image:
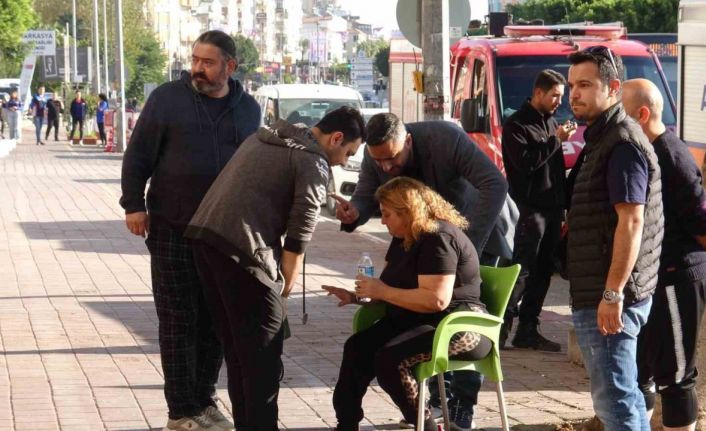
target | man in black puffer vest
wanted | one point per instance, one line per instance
(615, 235)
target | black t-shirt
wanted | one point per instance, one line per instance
(215, 106)
(447, 251)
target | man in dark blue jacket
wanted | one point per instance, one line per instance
(78, 114)
(186, 133)
(666, 353)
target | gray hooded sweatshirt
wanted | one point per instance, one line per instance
(267, 198)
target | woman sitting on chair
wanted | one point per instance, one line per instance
(431, 270)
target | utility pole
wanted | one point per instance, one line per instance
(73, 21)
(96, 45)
(105, 48)
(435, 46)
(120, 72)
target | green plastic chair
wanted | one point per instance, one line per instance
(497, 285)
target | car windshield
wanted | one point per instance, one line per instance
(516, 76)
(310, 111)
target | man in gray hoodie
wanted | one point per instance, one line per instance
(271, 189)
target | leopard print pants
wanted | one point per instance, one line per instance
(461, 342)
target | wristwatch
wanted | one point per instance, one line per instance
(612, 297)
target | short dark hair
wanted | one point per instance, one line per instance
(103, 97)
(547, 79)
(610, 64)
(346, 120)
(220, 40)
(383, 127)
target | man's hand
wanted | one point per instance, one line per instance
(345, 296)
(345, 212)
(138, 223)
(565, 131)
(609, 318)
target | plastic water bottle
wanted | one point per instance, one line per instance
(366, 268)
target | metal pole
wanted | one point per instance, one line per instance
(105, 48)
(121, 72)
(96, 44)
(73, 20)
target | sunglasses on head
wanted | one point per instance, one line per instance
(605, 52)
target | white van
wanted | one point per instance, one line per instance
(691, 107)
(307, 104)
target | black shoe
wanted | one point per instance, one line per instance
(505, 330)
(528, 337)
(41, 143)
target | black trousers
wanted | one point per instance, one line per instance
(52, 122)
(101, 132)
(189, 349)
(249, 318)
(75, 121)
(388, 351)
(666, 349)
(536, 238)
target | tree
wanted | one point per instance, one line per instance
(639, 16)
(16, 17)
(248, 57)
(372, 46)
(382, 61)
(147, 66)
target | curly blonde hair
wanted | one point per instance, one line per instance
(421, 206)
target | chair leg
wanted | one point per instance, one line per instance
(422, 402)
(444, 401)
(501, 403)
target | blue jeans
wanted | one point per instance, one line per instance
(612, 368)
(38, 122)
(461, 386)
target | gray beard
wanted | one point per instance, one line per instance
(206, 88)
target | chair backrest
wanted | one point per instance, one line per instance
(496, 287)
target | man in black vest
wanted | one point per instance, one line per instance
(666, 348)
(534, 165)
(615, 235)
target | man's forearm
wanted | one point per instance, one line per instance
(291, 262)
(626, 247)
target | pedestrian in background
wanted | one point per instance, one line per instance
(100, 116)
(38, 105)
(534, 165)
(251, 232)
(78, 115)
(54, 110)
(14, 115)
(443, 157)
(615, 223)
(187, 132)
(666, 346)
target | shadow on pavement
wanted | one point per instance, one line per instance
(104, 236)
(98, 180)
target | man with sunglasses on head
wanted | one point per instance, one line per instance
(615, 223)
(441, 155)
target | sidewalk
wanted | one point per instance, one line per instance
(78, 330)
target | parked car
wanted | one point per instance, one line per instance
(307, 104)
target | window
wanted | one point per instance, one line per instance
(459, 95)
(479, 90)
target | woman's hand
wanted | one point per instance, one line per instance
(369, 287)
(346, 296)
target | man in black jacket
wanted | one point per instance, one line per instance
(615, 233)
(186, 133)
(534, 165)
(666, 353)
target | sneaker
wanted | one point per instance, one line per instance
(192, 423)
(528, 337)
(218, 418)
(436, 413)
(461, 418)
(80, 142)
